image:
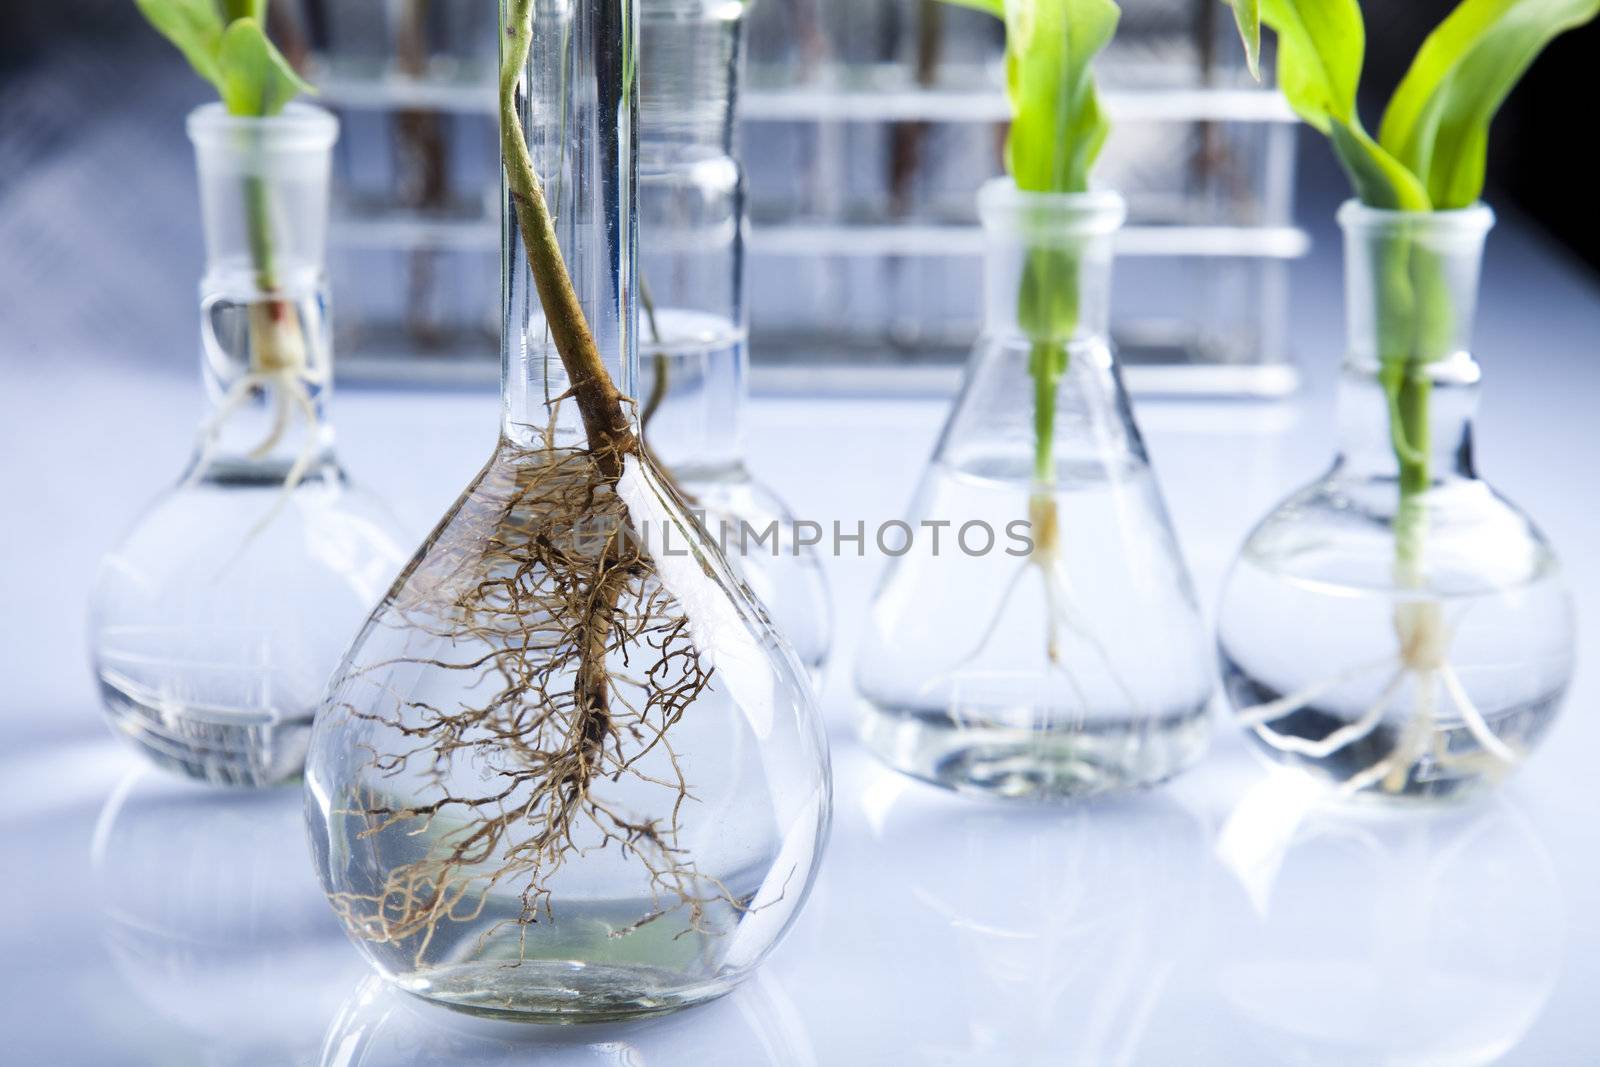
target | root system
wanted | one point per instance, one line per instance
(574, 667)
(1422, 656)
(1064, 620)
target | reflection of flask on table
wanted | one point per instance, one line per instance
(214, 919)
(1043, 936)
(754, 1027)
(1391, 940)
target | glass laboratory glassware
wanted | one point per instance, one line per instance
(568, 771)
(215, 623)
(693, 332)
(1397, 626)
(1038, 636)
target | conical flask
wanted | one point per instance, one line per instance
(1434, 632)
(694, 332)
(1036, 635)
(215, 623)
(569, 771)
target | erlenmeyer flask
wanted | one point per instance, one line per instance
(217, 620)
(1432, 637)
(569, 771)
(693, 332)
(1038, 636)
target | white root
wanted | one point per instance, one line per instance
(1345, 735)
(1416, 735)
(1063, 619)
(1064, 616)
(1476, 724)
(1422, 660)
(1285, 705)
(289, 388)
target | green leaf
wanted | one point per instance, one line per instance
(1057, 126)
(195, 27)
(1379, 179)
(1321, 47)
(1247, 14)
(1437, 124)
(257, 79)
(233, 10)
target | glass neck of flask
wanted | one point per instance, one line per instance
(266, 346)
(1408, 391)
(576, 101)
(692, 329)
(691, 56)
(1047, 264)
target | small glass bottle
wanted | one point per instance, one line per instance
(216, 622)
(694, 337)
(1037, 635)
(1397, 627)
(569, 771)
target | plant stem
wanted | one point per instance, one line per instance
(1047, 311)
(258, 209)
(1415, 325)
(600, 404)
(276, 343)
(663, 366)
(1047, 362)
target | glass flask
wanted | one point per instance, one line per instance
(215, 623)
(1036, 634)
(1436, 633)
(693, 330)
(569, 770)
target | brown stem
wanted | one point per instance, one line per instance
(663, 367)
(600, 404)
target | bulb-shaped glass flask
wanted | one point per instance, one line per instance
(1038, 637)
(217, 620)
(569, 770)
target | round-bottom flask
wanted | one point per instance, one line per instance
(1397, 627)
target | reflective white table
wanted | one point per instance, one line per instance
(1229, 918)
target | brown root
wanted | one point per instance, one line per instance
(539, 577)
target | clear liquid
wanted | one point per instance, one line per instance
(219, 617)
(1352, 709)
(240, 737)
(680, 837)
(691, 371)
(696, 369)
(591, 962)
(991, 672)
